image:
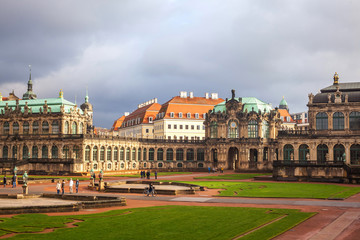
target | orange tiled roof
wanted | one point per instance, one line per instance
(284, 113)
(143, 114)
(186, 105)
(117, 124)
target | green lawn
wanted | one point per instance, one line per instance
(239, 176)
(152, 174)
(280, 190)
(165, 222)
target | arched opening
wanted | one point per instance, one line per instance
(355, 154)
(44, 152)
(54, 152)
(322, 151)
(214, 156)
(25, 154)
(87, 153)
(288, 152)
(160, 154)
(66, 152)
(169, 154)
(253, 158)
(151, 154)
(304, 153)
(339, 151)
(200, 154)
(179, 154)
(34, 152)
(233, 158)
(190, 154)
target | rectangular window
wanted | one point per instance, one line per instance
(147, 130)
(203, 127)
(186, 126)
(169, 126)
(198, 127)
(181, 126)
(175, 126)
(192, 127)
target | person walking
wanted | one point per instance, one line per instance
(77, 183)
(63, 187)
(71, 184)
(14, 181)
(148, 174)
(58, 187)
(155, 174)
(4, 180)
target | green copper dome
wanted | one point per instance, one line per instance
(283, 102)
(249, 104)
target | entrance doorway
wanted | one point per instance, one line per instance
(233, 158)
(253, 158)
(214, 156)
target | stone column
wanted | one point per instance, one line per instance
(296, 152)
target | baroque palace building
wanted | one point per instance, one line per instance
(55, 136)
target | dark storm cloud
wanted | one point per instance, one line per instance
(127, 52)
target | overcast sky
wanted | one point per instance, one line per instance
(127, 52)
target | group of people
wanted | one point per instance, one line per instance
(60, 186)
(13, 180)
(214, 169)
(146, 174)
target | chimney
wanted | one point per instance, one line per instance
(207, 95)
(183, 94)
(126, 114)
(214, 96)
(191, 94)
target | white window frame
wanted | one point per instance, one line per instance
(188, 115)
(172, 115)
(180, 114)
(196, 115)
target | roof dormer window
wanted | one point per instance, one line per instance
(188, 115)
(180, 114)
(196, 115)
(150, 119)
(172, 115)
(204, 115)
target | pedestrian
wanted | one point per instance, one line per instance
(155, 174)
(71, 184)
(14, 181)
(4, 180)
(209, 169)
(63, 187)
(148, 174)
(77, 183)
(151, 190)
(222, 170)
(58, 187)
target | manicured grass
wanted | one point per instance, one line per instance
(239, 176)
(165, 222)
(152, 174)
(280, 190)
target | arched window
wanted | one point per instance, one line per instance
(5, 152)
(87, 153)
(108, 153)
(160, 154)
(160, 165)
(180, 114)
(179, 165)
(35, 152)
(44, 152)
(338, 121)
(81, 128)
(179, 154)
(139, 154)
(74, 128)
(133, 154)
(26, 127)
(14, 152)
(128, 154)
(144, 154)
(151, 154)
(66, 127)
(122, 154)
(116, 154)
(190, 154)
(188, 115)
(288, 152)
(66, 152)
(265, 129)
(54, 152)
(102, 153)
(95, 153)
(303, 151)
(25, 153)
(45, 127)
(200, 155)
(35, 127)
(355, 154)
(76, 151)
(95, 166)
(339, 151)
(322, 151)
(169, 154)
(354, 120)
(213, 130)
(6, 128)
(15, 128)
(200, 165)
(55, 127)
(321, 121)
(232, 129)
(253, 129)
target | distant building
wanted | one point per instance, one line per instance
(301, 119)
(287, 120)
(182, 117)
